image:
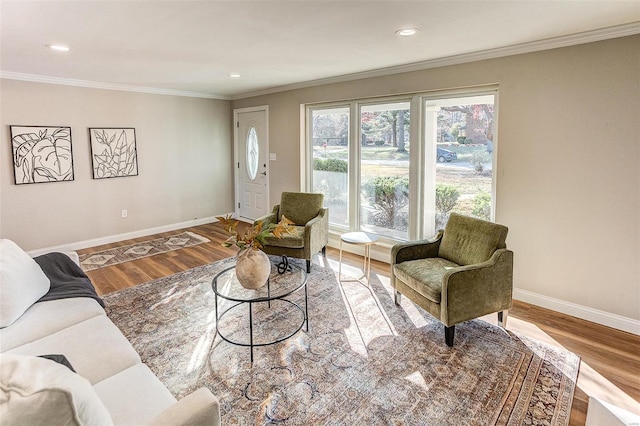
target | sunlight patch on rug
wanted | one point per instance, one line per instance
(397, 373)
(114, 256)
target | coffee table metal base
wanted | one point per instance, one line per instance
(251, 344)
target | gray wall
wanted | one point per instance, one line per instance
(568, 149)
(184, 159)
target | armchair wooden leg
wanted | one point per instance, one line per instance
(449, 332)
(396, 298)
(502, 318)
(308, 266)
(324, 252)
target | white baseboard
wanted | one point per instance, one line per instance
(125, 236)
(619, 322)
(381, 252)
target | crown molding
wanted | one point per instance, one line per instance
(623, 30)
(9, 75)
(608, 33)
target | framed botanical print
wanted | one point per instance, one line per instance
(41, 154)
(113, 152)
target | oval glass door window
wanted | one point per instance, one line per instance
(252, 153)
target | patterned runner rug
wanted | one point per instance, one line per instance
(364, 361)
(100, 259)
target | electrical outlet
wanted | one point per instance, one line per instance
(124, 213)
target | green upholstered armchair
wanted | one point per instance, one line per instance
(460, 274)
(311, 230)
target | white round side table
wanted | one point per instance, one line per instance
(361, 239)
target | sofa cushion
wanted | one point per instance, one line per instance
(45, 318)
(38, 391)
(424, 275)
(300, 207)
(22, 282)
(200, 407)
(96, 348)
(467, 240)
(134, 396)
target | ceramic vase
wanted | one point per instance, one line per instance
(252, 268)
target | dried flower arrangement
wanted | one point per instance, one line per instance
(255, 236)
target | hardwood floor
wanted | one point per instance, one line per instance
(610, 367)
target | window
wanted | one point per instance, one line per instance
(410, 162)
(253, 151)
(460, 130)
(384, 169)
(330, 148)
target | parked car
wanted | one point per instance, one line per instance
(446, 155)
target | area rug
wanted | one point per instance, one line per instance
(364, 361)
(100, 259)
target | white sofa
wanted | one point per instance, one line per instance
(79, 329)
(602, 413)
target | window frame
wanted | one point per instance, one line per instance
(420, 154)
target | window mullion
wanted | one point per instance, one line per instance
(354, 166)
(429, 171)
(416, 170)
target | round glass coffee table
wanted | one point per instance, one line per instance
(261, 317)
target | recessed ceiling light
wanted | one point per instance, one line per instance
(407, 32)
(58, 47)
(234, 75)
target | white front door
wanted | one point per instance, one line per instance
(252, 162)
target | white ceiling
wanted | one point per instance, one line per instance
(190, 47)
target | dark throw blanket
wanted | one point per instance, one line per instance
(67, 279)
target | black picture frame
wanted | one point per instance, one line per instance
(41, 154)
(114, 152)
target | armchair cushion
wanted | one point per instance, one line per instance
(300, 208)
(293, 240)
(424, 275)
(467, 240)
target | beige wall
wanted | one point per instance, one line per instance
(568, 182)
(184, 159)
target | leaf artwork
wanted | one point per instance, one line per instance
(41, 154)
(114, 153)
